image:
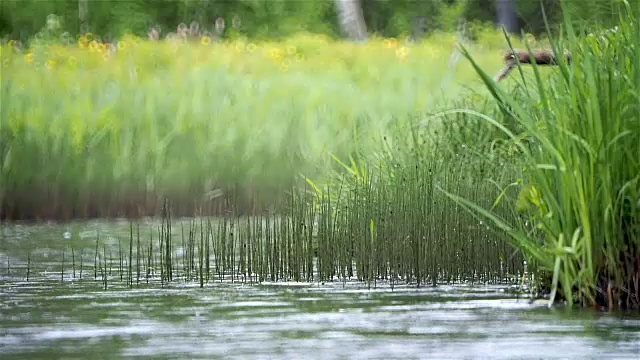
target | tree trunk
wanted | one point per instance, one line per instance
(418, 28)
(83, 15)
(351, 19)
(506, 14)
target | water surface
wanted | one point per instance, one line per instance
(333, 321)
(53, 316)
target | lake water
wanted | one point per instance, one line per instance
(47, 317)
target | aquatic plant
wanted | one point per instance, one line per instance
(315, 241)
(580, 191)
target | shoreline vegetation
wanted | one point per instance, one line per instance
(384, 158)
(112, 134)
(302, 245)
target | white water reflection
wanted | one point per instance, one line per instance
(294, 322)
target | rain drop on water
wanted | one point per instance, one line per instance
(67, 235)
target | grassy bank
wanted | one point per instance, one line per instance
(85, 133)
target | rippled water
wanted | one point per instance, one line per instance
(311, 321)
(49, 318)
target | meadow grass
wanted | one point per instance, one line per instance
(88, 134)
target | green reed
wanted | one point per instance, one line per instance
(28, 265)
(62, 268)
(81, 263)
(73, 262)
(314, 241)
(579, 135)
(138, 254)
(95, 257)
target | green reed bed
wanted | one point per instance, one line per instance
(389, 210)
(581, 189)
(318, 239)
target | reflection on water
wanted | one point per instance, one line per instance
(310, 321)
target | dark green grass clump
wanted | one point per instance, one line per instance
(316, 240)
(581, 189)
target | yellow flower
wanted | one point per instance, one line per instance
(299, 57)
(50, 65)
(28, 58)
(402, 52)
(72, 61)
(291, 49)
(391, 43)
(94, 46)
(83, 42)
(205, 40)
(275, 54)
(251, 47)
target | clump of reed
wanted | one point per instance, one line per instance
(580, 192)
(315, 240)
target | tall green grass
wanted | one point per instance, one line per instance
(390, 213)
(86, 135)
(339, 142)
(580, 191)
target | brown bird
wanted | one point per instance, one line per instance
(540, 57)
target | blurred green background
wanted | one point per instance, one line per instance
(21, 19)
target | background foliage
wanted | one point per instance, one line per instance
(21, 19)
